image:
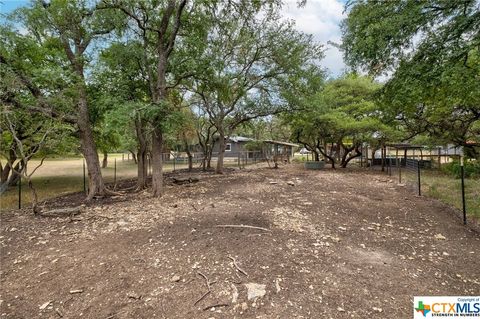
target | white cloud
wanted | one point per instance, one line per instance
(321, 18)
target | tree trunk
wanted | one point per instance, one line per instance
(190, 158)
(329, 157)
(159, 95)
(205, 156)
(345, 152)
(348, 159)
(96, 185)
(141, 170)
(209, 159)
(36, 210)
(105, 160)
(210, 154)
(157, 162)
(189, 153)
(134, 156)
(15, 176)
(5, 172)
(221, 152)
(141, 158)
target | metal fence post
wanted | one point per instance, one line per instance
(398, 168)
(115, 173)
(361, 156)
(462, 175)
(389, 167)
(418, 177)
(20, 192)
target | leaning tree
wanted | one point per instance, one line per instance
(59, 35)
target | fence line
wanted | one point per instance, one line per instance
(424, 179)
(54, 181)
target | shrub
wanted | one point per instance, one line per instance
(471, 168)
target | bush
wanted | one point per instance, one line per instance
(471, 169)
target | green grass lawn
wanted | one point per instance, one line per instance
(60, 176)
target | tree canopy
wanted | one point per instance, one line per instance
(430, 52)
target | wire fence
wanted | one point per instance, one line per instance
(61, 176)
(427, 177)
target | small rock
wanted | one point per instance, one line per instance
(342, 228)
(440, 237)
(290, 183)
(363, 246)
(277, 285)
(255, 291)
(175, 278)
(445, 253)
(340, 309)
(377, 309)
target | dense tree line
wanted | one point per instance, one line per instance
(140, 75)
(148, 76)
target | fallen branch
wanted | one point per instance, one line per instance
(243, 226)
(238, 267)
(201, 298)
(69, 211)
(208, 283)
(185, 180)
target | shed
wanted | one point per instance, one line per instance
(284, 150)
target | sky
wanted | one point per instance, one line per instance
(321, 18)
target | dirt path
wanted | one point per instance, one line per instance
(341, 245)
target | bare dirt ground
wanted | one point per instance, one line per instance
(340, 245)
